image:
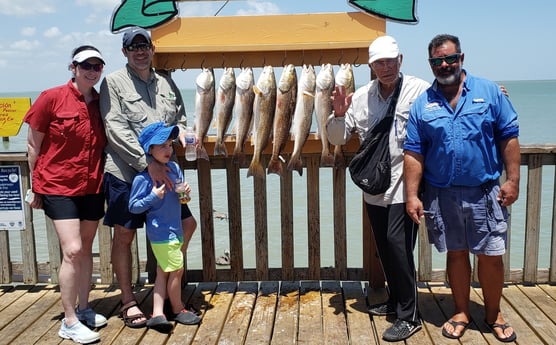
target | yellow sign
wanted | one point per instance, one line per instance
(12, 111)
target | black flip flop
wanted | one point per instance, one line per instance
(455, 324)
(503, 327)
(160, 323)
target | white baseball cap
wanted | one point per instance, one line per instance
(384, 47)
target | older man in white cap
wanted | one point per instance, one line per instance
(395, 233)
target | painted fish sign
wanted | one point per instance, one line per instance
(152, 13)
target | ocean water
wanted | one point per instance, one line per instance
(534, 101)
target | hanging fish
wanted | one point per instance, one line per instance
(243, 109)
(285, 105)
(225, 102)
(303, 116)
(344, 77)
(323, 109)
(263, 115)
(204, 106)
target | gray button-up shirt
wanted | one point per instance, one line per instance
(127, 105)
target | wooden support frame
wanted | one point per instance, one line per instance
(255, 41)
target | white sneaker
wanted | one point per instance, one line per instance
(78, 333)
(90, 318)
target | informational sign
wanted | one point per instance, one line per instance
(12, 111)
(12, 214)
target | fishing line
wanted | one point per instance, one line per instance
(220, 9)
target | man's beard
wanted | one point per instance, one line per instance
(451, 79)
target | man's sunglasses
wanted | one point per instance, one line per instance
(450, 59)
(138, 46)
(97, 67)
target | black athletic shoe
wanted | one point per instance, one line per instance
(382, 309)
(401, 330)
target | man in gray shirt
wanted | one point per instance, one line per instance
(130, 99)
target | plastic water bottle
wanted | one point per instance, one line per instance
(190, 149)
(180, 189)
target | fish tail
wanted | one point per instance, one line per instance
(220, 149)
(238, 157)
(255, 168)
(296, 164)
(275, 166)
(339, 159)
(326, 159)
(202, 152)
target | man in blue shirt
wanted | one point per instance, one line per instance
(461, 133)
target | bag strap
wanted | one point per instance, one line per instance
(394, 101)
(391, 110)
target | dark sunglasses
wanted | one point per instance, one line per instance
(450, 59)
(97, 67)
(138, 46)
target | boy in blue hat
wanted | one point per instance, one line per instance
(164, 229)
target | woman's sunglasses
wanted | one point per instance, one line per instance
(97, 67)
(450, 59)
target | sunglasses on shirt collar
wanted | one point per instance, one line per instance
(450, 59)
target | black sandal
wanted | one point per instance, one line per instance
(512, 337)
(129, 320)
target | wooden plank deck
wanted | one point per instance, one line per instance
(278, 313)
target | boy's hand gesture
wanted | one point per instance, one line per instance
(159, 191)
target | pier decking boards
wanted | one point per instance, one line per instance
(280, 313)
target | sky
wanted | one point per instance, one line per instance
(501, 39)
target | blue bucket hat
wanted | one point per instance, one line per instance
(157, 133)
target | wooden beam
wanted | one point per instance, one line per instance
(236, 41)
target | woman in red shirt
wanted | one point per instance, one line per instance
(65, 142)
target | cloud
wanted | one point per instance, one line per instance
(26, 7)
(25, 45)
(28, 31)
(99, 4)
(52, 32)
(258, 7)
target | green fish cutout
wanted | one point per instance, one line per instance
(398, 10)
(144, 13)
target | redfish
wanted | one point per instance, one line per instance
(263, 115)
(204, 106)
(303, 115)
(285, 105)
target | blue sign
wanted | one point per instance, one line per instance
(12, 216)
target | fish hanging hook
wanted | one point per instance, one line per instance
(165, 64)
(285, 58)
(183, 64)
(203, 63)
(320, 58)
(355, 64)
(223, 60)
(341, 58)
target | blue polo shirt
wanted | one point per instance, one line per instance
(460, 147)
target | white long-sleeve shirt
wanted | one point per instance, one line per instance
(366, 110)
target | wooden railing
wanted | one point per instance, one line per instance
(534, 158)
